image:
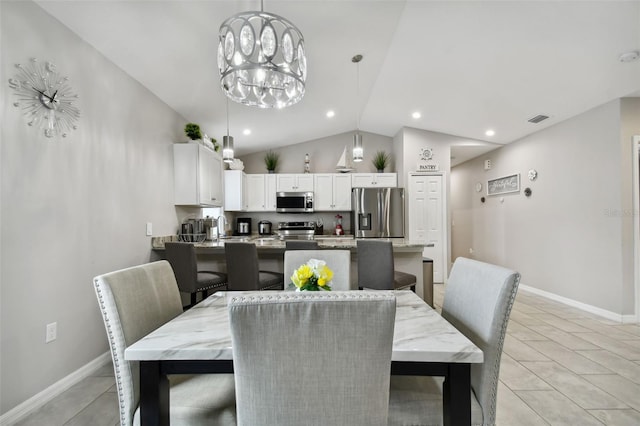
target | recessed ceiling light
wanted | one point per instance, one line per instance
(416, 115)
(330, 113)
(629, 56)
(490, 132)
(246, 132)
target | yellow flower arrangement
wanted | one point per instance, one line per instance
(314, 275)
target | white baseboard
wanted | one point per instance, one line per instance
(626, 319)
(37, 401)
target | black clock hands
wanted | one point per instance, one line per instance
(51, 98)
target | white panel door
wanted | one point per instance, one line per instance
(426, 219)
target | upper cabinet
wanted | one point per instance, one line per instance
(374, 180)
(294, 182)
(261, 192)
(235, 191)
(332, 192)
(197, 176)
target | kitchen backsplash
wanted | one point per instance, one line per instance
(328, 219)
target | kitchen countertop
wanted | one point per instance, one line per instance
(274, 243)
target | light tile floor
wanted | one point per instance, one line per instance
(560, 366)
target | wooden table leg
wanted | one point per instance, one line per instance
(457, 395)
(154, 395)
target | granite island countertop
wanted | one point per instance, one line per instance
(274, 243)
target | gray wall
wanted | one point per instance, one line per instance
(569, 238)
(324, 155)
(74, 208)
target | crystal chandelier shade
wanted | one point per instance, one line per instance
(262, 62)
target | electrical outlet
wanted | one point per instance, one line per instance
(52, 332)
(149, 229)
(470, 251)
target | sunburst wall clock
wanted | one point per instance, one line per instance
(45, 98)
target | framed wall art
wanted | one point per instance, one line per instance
(504, 185)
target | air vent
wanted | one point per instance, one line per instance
(538, 118)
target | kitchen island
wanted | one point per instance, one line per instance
(407, 254)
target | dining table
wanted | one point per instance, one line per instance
(198, 341)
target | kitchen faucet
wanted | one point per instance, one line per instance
(221, 221)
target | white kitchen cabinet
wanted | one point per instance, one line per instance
(197, 176)
(261, 192)
(289, 182)
(426, 216)
(235, 191)
(374, 180)
(332, 192)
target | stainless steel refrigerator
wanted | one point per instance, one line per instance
(377, 212)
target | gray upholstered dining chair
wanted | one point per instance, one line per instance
(376, 267)
(243, 269)
(312, 358)
(301, 245)
(134, 302)
(339, 261)
(477, 301)
(183, 260)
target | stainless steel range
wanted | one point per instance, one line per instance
(296, 230)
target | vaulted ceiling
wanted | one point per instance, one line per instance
(465, 66)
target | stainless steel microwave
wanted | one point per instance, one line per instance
(294, 202)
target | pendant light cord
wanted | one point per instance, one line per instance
(358, 95)
(227, 116)
(356, 59)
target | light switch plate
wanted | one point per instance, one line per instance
(149, 229)
(52, 332)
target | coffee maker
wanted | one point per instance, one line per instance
(243, 226)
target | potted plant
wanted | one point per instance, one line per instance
(192, 130)
(271, 161)
(380, 161)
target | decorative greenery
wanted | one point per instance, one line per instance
(380, 160)
(271, 160)
(314, 275)
(192, 130)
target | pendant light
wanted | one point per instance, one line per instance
(262, 61)
(227, 142)
(358, 150)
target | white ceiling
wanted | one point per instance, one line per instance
(466, 66)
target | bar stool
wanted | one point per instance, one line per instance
(376, 267)
(182, 257)
(243, 269)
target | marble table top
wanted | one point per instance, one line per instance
(202, 333)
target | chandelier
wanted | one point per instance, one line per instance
(262, 60)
